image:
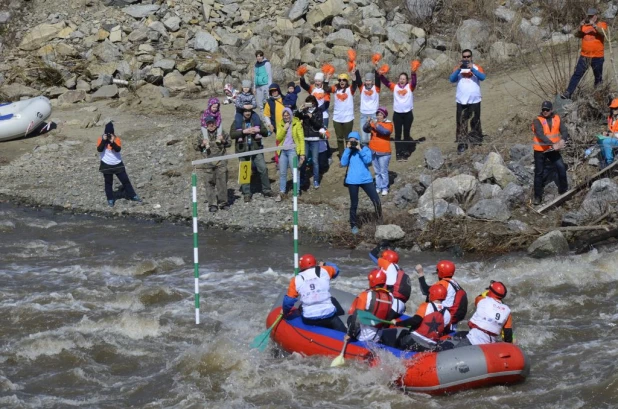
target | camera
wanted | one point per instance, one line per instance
(354, 144)
(464, 64)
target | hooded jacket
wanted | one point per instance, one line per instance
(297, 133)
(273, 109)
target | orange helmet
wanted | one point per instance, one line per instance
(497, 290)
(307, 261)
(614, 103)
(437, 292)
(446, 269)
(391, 256)
(376, 277)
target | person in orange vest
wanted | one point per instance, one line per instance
(611, 135)
(491, 322)
(592, 32)
(456, 297)
(550, 135)
(397, 281)
(427, 325)
(378, 301)
(380, 145)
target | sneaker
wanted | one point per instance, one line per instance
(384, 192)
(136, 198)
(355, 230)
(537, 201)
(316, 184)
(111, 203)
(461, 148)
(247, 198)
(212, 209)
(279, 197)
(268, 194)
(378, 191)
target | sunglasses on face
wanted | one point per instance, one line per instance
(545, 110)
(466, 56)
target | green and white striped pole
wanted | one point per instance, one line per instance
(196, 264)
(295, 210)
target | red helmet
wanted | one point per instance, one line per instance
(437, 292)
(497, 290)
(445, 268)
(376, 277)
(307, 261)
(391, 256)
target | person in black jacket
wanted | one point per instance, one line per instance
(109, 146)
(313, 127)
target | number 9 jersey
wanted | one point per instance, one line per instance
(490, 317)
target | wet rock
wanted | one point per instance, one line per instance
(471, 33)
(513, 195)
(389, 232)
(406, 196)
(433, 158)
(494, 169)
(550, 244)
(490, 209)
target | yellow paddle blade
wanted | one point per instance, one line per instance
(339, 361)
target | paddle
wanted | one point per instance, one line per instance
(367, 318)
(340, 360)
(261, 340)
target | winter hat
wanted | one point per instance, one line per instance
(291, 84)
(354, 135)
(369, 77)
(109, 128)
(319, 76)
(383, 110)
(614, 103)
(246, 84)
(210, 119)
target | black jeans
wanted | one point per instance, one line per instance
(580, 69)
(403, 122)
(469, 113)
(540, 173)
(124, 179)
(370, 190)
(333, 322)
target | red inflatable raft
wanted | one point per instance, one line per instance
(428, 372)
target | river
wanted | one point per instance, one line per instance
(99, 313)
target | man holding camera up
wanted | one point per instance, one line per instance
(592, 32)
(468, 97)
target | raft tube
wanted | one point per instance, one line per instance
(20, 118)
(427, 372)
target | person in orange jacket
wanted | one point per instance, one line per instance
(428, 324)
(380, 145)
(456, 299)
(378, 301)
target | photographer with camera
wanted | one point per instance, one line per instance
(592, 32)
(211, 144)
(468, 97)
(313, 128)
(358, 159)
(109, 145)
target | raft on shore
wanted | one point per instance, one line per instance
(427, 372)
(20, 118)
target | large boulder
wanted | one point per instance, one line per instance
(458, 187)
(389, 232)
(15, 91)
(550, 244)
(298, 9)
(513, 195)
(602, 196)
(490, 209)
(471, 33)
(433, 158)
(421, 9)
(343, 37)
(405, 196)
(501, 51)
(291, 53)
(105, 92)
(39, 35)
(175, 81)
(435, 209)
(494, 169)
(204, 41)
(325, 11)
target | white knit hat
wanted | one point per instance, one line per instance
(319, 76)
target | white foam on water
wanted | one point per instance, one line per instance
(127, 324)
(6, 225)
(50, 343)
(6, 385)
(39, 223)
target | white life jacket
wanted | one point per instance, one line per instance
(315, 293)
(490, 316)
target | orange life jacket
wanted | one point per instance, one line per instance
(432, 326)
(553, 134)
(381, 304)
(612, 124)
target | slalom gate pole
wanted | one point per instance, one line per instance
(295, 210)
(196, 264)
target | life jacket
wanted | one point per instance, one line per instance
(314, 290)
(380, 305)
(459, 309)
(612, 124)
(553, 134)
(432, 326)
(490, 317)
(402, 289)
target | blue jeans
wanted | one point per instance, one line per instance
(312, 150)
(608, 146)
(365, 136)
(380, 165)
(580, 69)
(286, 157)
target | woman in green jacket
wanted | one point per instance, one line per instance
(289, 131)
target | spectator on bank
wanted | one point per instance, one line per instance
(213, 109)
(289, 101)
(109, 146)
(468, 97)
(321, 95)
(592, 32)
(314, 132)
(262, 78)
(380, 145)
(248, 134)
(289, 132)
(358, 176)
(244, 100)
(211, 145)
(343, 111)
(369, 101)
